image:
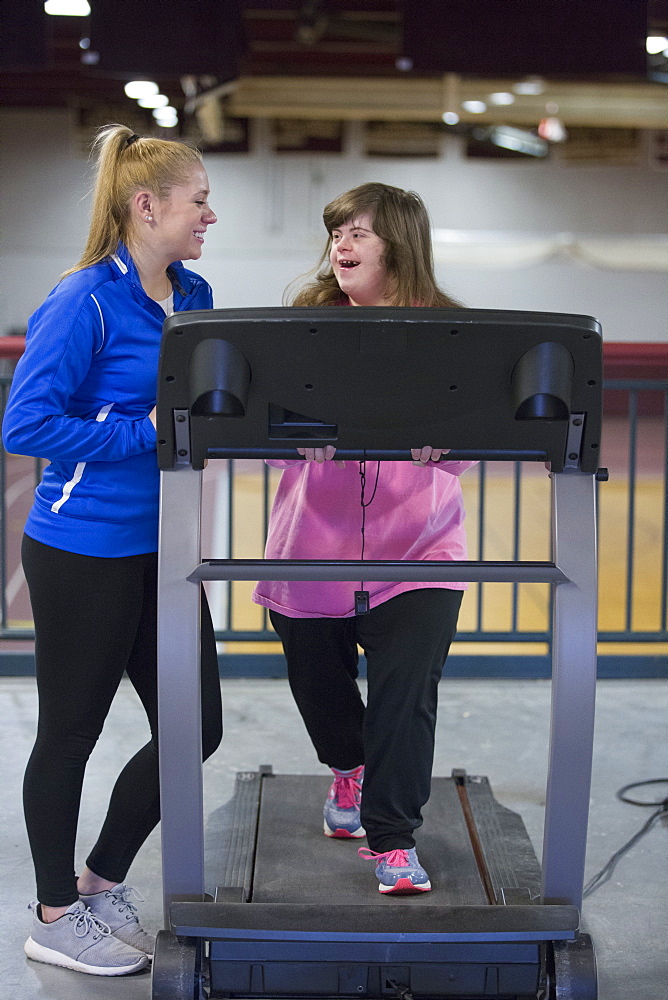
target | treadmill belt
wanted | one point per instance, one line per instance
(296, 863)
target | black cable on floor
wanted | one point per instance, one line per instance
(605, 873)
(401, 991)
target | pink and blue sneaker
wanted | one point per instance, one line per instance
(341, 812)
(399, 872)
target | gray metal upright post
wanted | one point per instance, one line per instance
(573, 687)
(179, 698)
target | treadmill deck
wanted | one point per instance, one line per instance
(297, 913)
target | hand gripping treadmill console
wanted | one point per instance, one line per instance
(503, 386)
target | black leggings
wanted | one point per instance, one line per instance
(94, 619)
(406, 641)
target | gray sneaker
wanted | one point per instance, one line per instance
(114, 908)
(79, 941)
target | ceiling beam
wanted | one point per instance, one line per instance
(588, 104)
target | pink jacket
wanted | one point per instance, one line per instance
(417, 513)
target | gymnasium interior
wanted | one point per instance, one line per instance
(540, 147)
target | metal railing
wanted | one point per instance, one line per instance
(500, 499)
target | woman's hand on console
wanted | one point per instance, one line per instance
(320, 455)
(422, 456)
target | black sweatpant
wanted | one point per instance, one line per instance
(406, 641)
(94, 619)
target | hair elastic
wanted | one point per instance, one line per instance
(131, 139)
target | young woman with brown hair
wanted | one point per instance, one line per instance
(378, 253)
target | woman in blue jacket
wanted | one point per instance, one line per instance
(83, 397)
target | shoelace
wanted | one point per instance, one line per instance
(84, 922)
(347, 791)
(395, 859)
(121, 894)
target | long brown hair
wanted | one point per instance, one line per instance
(401, 220)
(127, 163)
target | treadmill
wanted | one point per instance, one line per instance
(494, 385)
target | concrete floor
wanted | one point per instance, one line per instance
(497, 728)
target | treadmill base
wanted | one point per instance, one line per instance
(299, 915)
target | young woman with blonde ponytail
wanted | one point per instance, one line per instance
(83, 397)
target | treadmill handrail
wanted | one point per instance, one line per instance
(386, 454)
(393, 570)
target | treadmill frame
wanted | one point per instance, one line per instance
(572, 574)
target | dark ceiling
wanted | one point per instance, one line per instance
(44, 64)
(270, 37)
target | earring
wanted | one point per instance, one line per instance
(149, 218)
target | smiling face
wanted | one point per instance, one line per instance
(181, 219)
(356, 257)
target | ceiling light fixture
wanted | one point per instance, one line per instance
(450, 117)
(140, 88)
(166, 116)
(516, 139)
(500, 98)
(531, 86)
(655, 44)
(474, 107)
(153, 101)
(67, 8)
(552, 129)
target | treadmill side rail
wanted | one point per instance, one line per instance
(573, 688)
(179, 697)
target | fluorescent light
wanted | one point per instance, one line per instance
(552, 128)
(153, 101)
(67, 8)
(450, 117)
(140, 88)
(501, 97)
(533, 85)
(166, 116)
(656, 44)
(474, 107)
(517, 139)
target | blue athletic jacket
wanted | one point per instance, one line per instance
(80, 398)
